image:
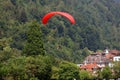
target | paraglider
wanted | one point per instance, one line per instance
(51, 14)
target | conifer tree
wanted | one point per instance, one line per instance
(34, 45)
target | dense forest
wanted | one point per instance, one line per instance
(97, 27)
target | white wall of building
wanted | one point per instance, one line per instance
(116, 58)
(79, 65)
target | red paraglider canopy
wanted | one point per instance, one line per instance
(49, 15)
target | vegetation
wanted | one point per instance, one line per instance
(106, 73)
(85, 75)
(116, 69)
(30, 50)
(68, 71)
(34, 45)
(97, 25)
(25, 68)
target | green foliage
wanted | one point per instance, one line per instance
(99, 75)
(55, 73)
(39, 67)
(116, 69)
(14, 68)
(106, 73)
(85, 75)
(34, 45)
(68, 71)
(26, 68)
(6, 51)
(97, 26)
(85, 52)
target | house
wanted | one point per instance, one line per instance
(98, 57)
(116, 58)
(99, 60)
(115, 52)
(112, 53)
(90, 67)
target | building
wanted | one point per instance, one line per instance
(112, 54)
(116, 58)
(99, 60)
(90, 67)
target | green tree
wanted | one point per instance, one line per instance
(85, 75)
(26, 68)
(106, 73)
(34, 45)
(85, 52)
(97, 25)
(68, 71)
(55, 74)
(116, 69)
(6, 51)
(38, 67)
(14, 68)
(99, 75)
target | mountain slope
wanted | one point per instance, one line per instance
(97, 25)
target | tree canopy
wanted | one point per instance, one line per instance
(97, 25)
(22, 40)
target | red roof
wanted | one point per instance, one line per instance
(114, 52)
(109, 56)
(90, 66)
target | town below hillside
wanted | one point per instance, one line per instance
(98, 61)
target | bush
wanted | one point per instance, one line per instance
(26, 68)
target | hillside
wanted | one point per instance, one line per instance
(97, 26)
